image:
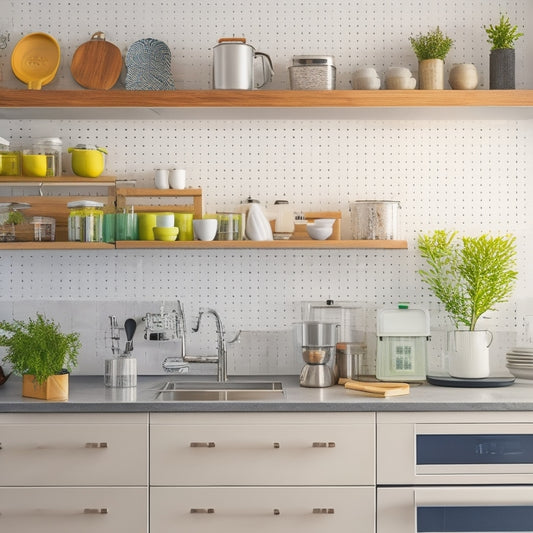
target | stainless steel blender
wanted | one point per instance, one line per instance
(317, 342)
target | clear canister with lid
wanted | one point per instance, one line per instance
(51, 147)
(312, 72)
(284, 219)
(85, 221)
(9, 159)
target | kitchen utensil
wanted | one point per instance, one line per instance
(87, 161)
(312, 73)
(148, 64)
(120, 372)
(165, 234)
(233, 65)
(319, 232)
(51, 147)
(316, 342)
(176, 178)
(448, 381)
(372, 219)
(347, 359)
(183, 221)
(257, 225)
(97, 63)
(376, 389)
(10, 160)
(205, 229)
(402, 343)
(129, 328)
(85, 221)
(35, 59)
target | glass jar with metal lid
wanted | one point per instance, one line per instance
(9, 159)
(312, 72)
(85, 221)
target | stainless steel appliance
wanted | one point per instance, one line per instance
(233, 65)
(454, 472)
(317, 342)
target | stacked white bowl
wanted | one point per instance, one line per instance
(399, 78)
(520, 362)
(366, 79)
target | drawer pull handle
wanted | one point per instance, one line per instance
(323, 510)
(209, 510)
(96, 444)
(276, 445)
(202, 444)
(323, 445)
(276, 512)
(88, 510)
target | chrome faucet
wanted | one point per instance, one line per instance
(222, 352)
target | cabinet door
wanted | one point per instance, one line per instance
(261, 509)
(83, 510)
(86, 450)
(262, 449)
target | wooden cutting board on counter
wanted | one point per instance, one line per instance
(96, 64)
(377, 389)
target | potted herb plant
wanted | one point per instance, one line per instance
(8, 220)
(41, 354)
(469, 277)
(431, 49)
(502, 37)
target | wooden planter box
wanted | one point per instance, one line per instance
(54, 388)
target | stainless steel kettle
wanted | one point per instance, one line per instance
(233, 65)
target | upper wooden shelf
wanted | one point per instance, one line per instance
(483, 104)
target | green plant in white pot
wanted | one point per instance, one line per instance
(431, 50)
(502, 37)
(470, 276)
(41, 354)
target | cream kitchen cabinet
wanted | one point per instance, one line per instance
(266, 471)
(80, 472)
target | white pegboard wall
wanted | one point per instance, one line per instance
(469, 176)
(365, 33)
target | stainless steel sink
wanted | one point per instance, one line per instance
(201, 391)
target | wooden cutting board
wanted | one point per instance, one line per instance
(96, 64)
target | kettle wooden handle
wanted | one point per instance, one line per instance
(232, 40)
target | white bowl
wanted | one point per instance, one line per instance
(319, 233)
(205, 229)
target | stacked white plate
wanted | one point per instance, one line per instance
(520, 362)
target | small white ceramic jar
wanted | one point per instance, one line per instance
(463, 76)
(161, 178)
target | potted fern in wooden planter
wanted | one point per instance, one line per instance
(470, 278)
(501, 37)
(431, 49)
(41, 354)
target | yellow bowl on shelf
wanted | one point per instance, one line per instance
(165, 234)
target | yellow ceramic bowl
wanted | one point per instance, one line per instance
(34, 165)
(165, 234)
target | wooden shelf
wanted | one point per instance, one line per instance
(266, 245)
(56, 245)
(59, 104)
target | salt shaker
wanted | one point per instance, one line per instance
(161, 178)
(176, 178)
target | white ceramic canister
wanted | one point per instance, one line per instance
(176, 178)
(463, 76)
(161, 178)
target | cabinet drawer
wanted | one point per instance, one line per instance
(83, 510)
(262, 509)
(262, 449)
(97, 450)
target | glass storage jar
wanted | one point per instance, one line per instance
(9, 159)
(52, 147)
(85, 221)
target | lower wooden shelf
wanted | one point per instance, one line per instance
(207, 245)
(255, 245)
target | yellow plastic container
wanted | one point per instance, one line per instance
(147, 221)
(34, 165)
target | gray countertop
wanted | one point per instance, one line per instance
(88, 394)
